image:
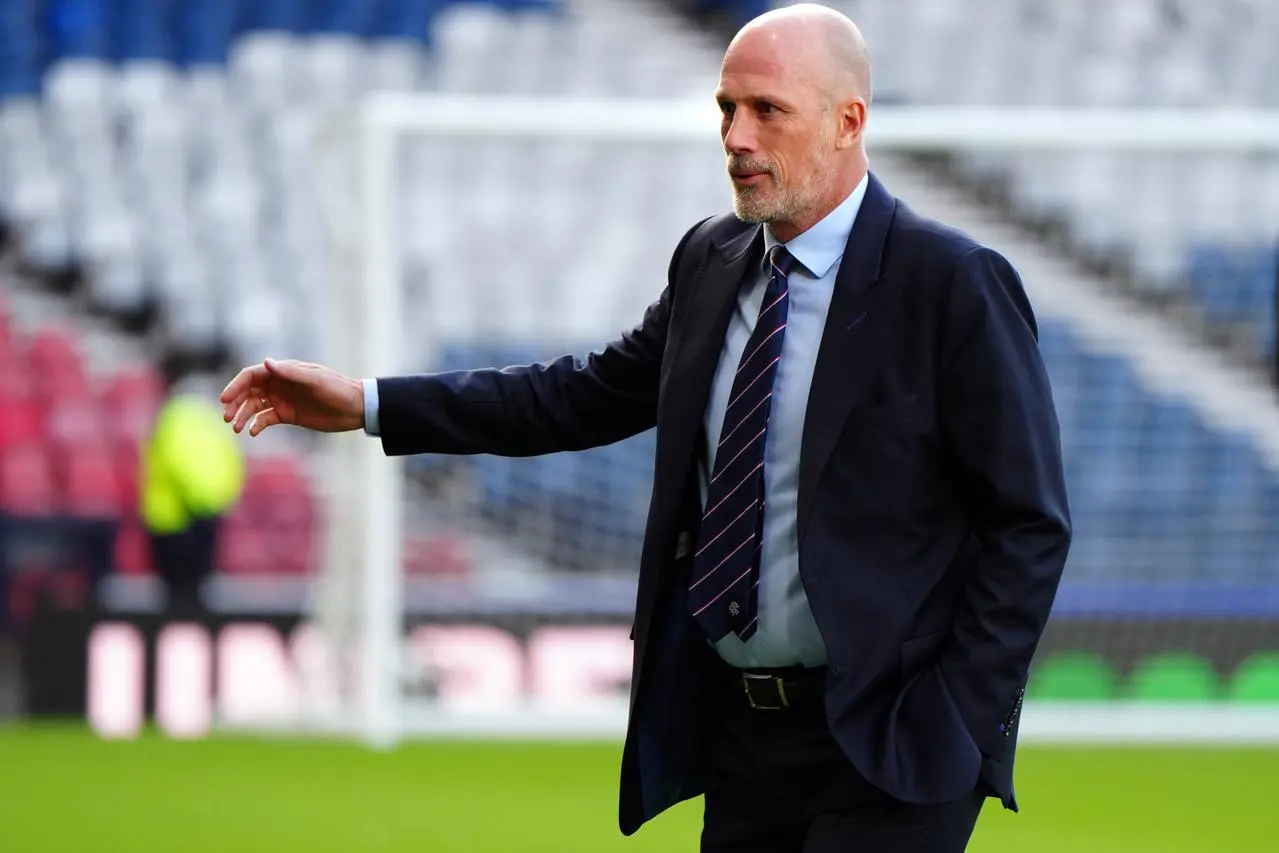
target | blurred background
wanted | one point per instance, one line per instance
(180, 613)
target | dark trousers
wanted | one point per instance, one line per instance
(778, 783)
(185, 559)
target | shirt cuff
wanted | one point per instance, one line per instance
(371, 425)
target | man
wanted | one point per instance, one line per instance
(191, 477)
(858, 521)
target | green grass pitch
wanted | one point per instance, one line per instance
(62, 790)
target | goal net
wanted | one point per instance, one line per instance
(494, 596)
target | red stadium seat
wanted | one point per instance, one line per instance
(27, 485)
(129, 402)
(72, 421)
(53, 349)
(242, 547)
(140, 382)
(20, 422)
(90, 485)
(7, 353)
(127, 462)
(279, 474)
(54, 356)
(438, 554)
(279, 507)
(15, 379)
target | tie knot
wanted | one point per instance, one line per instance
(782, 260)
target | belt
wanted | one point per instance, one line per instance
(779, 690)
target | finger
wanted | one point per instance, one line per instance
(255, 403)
(262, 420)
(239, 388)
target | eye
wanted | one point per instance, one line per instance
(726, 107)
(765, 108)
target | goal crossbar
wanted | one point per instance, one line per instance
(902, 128)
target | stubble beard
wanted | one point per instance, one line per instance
(775, 203)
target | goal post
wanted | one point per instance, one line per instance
(371, 339)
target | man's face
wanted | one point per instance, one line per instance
(777, 134)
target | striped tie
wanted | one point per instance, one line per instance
(722, 595)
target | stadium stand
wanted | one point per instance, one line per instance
(159, 157)
(1199, 234)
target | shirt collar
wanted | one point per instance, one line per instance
(821, 246)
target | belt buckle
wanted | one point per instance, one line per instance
(748, 677)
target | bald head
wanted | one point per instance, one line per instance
(794, 89)
(841, 67)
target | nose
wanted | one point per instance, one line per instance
(739, 133)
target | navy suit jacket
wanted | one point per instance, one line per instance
(933, 518)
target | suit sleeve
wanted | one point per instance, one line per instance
(528, 410)
(997, 414)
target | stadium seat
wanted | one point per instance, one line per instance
(1173, 677)
(439, 555)
(1256, 679)
(21, 422)
(89, 481)
(275, 518)
(242, 548)
(129, 401)
(72, 420)
(1073, 677)
(27, 486)
(53, 349)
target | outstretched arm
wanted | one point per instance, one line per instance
(566, 404)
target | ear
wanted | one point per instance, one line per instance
(850, 118)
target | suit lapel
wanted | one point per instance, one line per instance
(841, 376)
(700, 341)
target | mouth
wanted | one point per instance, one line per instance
(747, 178)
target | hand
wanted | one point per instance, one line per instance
(293, 392)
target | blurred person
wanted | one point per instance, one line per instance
(859, 520)
(192, 474)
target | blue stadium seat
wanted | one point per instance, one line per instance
(1168, 450)
(1236, 284)
(407, 20)
(79, 29)
(205, 29)
(356, 18)
(289, 16)
(143, 30)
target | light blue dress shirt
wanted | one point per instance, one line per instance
(371, 425)
(787, 633)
